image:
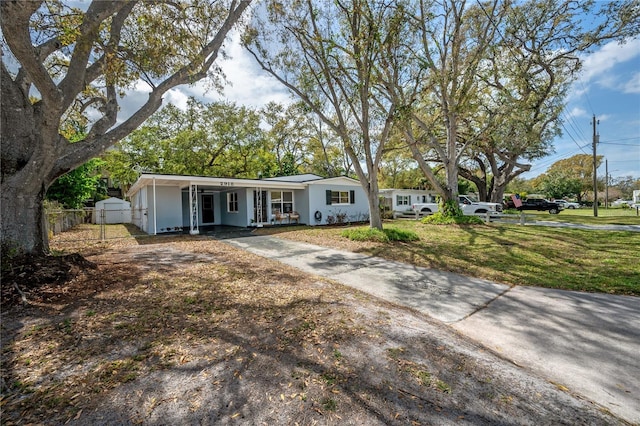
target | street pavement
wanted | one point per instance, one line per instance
(587, 343)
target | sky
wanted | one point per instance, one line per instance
(608, 88)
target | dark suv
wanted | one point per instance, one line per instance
(539, 204)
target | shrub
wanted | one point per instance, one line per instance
(442, 219)
(395, 234)
(450, 208)
(341, 217)
(386, 235)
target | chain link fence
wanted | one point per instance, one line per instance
(94, 224)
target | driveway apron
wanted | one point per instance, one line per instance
(587, 343)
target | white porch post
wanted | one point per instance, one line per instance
(193, 203)
(259, 218)
(155, 222)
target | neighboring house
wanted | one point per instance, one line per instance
(400, 200)
(166, 203)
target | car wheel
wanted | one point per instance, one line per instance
(481, 211)
(554, 211)
(572, 207)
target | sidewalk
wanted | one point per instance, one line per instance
(588, 343)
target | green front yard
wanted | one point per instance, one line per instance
(572, 259)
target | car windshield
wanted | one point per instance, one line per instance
(472, 198)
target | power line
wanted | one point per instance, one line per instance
(572, 122)
(555, 158)
(620, 144)
(569, 133)
(586, 94)
(622, 139)
(623, 161)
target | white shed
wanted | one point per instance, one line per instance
(112, 210)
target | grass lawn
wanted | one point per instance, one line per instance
(572, 259)
(610, 216)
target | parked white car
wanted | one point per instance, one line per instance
(619, 202)
(568, 204)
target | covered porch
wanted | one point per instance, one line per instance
(187, 204)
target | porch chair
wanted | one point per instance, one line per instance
(279, 217)
(294, 215)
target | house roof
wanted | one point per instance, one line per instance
(224, 184)
(111, 200)
(395, 190)
(296, 178)
(341, 180)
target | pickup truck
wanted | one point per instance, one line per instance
(567, 204)
(468, 205)
(539, 204)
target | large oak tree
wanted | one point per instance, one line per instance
(329, 55)
(59, 61)
(527, 76)
(490, 79)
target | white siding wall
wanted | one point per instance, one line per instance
(168, 206)
(239, 218)
(139, 207)
(359, 210)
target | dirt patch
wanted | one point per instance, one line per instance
(40, 279)
(192, 331)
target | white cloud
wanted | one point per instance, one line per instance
(597, 65)
(176, 97)
(249, 85)
(133, 99)
(578, 112)
(633, 85)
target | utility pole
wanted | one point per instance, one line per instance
(595, 168)
(606, 184)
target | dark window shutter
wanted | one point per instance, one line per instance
(328, 197)
(409, 199)
(352, 197)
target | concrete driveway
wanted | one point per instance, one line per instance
(587, 343)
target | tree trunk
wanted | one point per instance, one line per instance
(28, 156)
(451, 162)
(23, 229)
(375, 218)
(497, 194)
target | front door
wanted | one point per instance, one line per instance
(207, 208)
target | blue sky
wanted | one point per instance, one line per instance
(608, 87)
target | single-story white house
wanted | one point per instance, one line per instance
(166, 203)
(400, 200)
(112, 210)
